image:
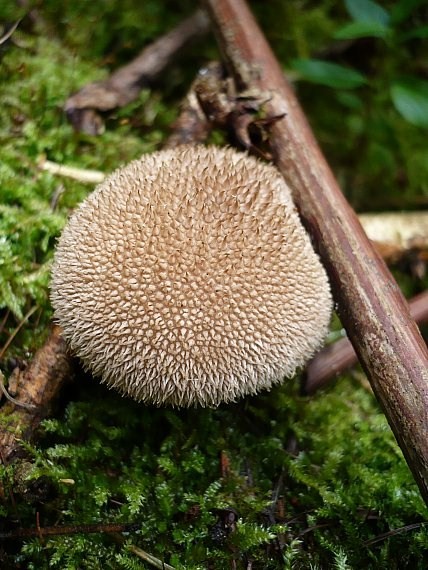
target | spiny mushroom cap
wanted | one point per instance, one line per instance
(187, 278)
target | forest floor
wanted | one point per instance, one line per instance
(279, 480)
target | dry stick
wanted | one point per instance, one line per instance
(38, 387)
(399, 234)
(84, 175)
(337, 357)
(125, 84)
(152, 560)
(8, 34)
(16, 331)
(192, 125)
(400, 230)
(394, 532)
(41, 532)
(370, 304)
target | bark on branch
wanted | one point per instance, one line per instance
(125, 84)
(37, 387)
(370, 304)
(337, 357)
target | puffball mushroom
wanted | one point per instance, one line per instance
(187, 278)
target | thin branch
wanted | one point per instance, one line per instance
(370, 304)
(83, 175)
(125, 84)
(11, 398)
(8, 34)
(192, 125)
(111, 528)
(68, 530)
(395, 233)
(394, 532)
(149, 558)
(339, 356)
(16, 331)
(155, 562)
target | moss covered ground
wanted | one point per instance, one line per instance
(277, 481)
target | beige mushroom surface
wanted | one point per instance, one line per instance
(187, 278)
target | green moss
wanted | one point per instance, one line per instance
(111, 460)
(331, 461)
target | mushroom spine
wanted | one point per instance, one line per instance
(187, 278)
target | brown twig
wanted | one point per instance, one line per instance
(394, 532)
(6, 394)
(152, 560)
(400, 237)
(192, 125)
(125, 84)
(16, 331)
(370, 304)
(37, 387)
(337, 357)
(400, 230)
(107, 528)
(149, 558)
(41, 532)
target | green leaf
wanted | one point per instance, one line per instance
(367, 11)
(362, 30)
(417, 33)
(410, 98)
(10, 300)
(329, 74)
(403, 9)
(350, 100)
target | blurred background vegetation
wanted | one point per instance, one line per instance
(314, 482)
